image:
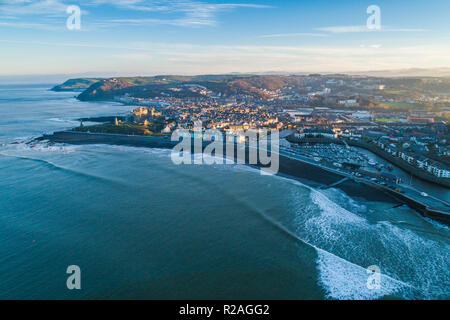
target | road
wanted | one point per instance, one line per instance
(408, 191)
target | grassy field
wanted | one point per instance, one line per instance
(124, 128)
(403, 105)
(387, 120)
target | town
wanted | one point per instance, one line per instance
(406, 127)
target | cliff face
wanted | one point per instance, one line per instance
(105, 90)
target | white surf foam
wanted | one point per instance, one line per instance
(403, 255)
(42, 147)
(345, 281)
(63, 120)
(123, 149)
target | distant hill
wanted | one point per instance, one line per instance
(257, 86)
(178, 86)
(76, 84)
(412, 72)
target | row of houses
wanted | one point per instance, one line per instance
(315, 133)
(420, 162)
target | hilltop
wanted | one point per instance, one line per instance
(76, 84)
(313, 89)
(180, 86)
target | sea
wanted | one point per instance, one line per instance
(140, 227)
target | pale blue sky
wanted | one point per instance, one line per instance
(144, 37)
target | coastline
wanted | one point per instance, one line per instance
(307, 173)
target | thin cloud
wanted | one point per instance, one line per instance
(18, 8)
(178, 12)
(150, 57)
(356, 29)
(374, 46)
(289, 35)
(175, 5)
(192, 13)
(40, 26)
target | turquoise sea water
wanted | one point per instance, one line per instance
(141, 227)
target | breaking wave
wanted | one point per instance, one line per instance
(412, 265)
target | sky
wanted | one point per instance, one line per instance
(146, 37)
